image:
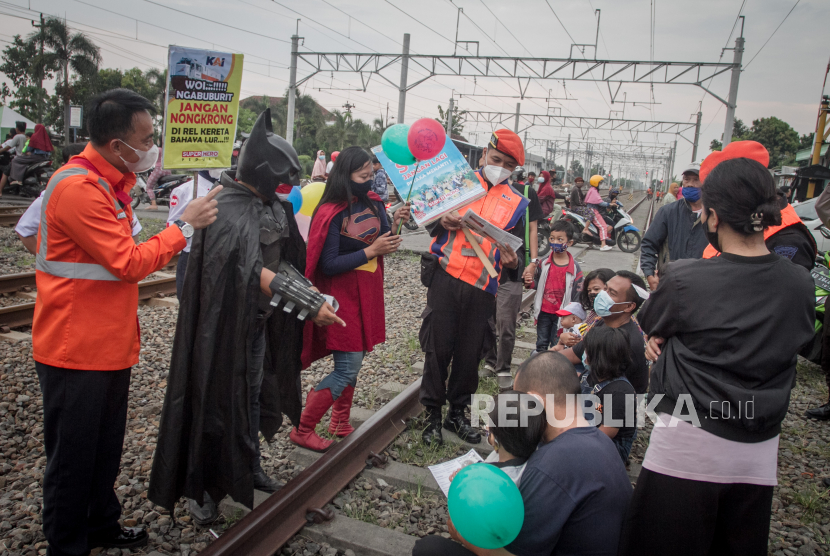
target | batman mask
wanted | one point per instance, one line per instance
(267, 160)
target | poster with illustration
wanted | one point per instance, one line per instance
(442, 184)
(201, 109)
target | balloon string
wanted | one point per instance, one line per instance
(417, 167)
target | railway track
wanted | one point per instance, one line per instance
(19, 315)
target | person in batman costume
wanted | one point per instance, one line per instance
(235, 367)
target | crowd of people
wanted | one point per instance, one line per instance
(259, 304)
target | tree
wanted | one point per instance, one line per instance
(576, 169)
(459, 118)
(67, 51)
(778, 137)
(806, 141)
(739, 133)
(245, 121)
(19, 65)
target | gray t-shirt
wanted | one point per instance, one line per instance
(17, 143)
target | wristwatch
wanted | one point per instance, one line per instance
(534, 261)
(187, 229)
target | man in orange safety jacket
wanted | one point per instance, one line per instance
(462, 295)
(85, 334)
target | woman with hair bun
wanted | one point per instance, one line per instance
(724, 333)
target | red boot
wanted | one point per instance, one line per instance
(316, 404)
(340, 424)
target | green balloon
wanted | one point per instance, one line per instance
(396, 146)
(486, 506)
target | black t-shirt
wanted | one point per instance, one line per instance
(573, 508)
(619, 396)
(636, 371)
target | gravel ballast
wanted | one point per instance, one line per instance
(800, 517)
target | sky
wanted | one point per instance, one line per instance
(783, 78)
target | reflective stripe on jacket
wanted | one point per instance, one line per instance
(503, 206)
(88, 267)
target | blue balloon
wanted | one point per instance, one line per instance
(296, 198)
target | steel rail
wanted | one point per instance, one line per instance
(274, 522)
(16, 282)
(22, 314)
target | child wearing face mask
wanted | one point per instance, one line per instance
(558, 281)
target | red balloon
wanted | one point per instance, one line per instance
(426, 138)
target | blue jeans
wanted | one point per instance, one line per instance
(346, 366)
(623, 445)
(546, 325)
(255, 375)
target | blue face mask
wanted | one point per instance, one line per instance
(691, 194)
(558, 247)
(585, 363)
(322, 157)
(603, 304)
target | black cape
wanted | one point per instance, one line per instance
(204, 442)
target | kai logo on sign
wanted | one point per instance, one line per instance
(215, 61)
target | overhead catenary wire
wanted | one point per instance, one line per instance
(773, 33)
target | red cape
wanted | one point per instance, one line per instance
(359, 293)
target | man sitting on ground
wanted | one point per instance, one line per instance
(574, 486)
(616, 305)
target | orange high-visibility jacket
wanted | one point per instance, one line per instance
(503, 206)
(88, 268)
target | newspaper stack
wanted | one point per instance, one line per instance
(484, 228)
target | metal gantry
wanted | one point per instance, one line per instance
(523, 69)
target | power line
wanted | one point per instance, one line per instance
(573, 40)
(217, 22)
(505, 26)
(773, 33)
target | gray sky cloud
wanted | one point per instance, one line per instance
(784, 80)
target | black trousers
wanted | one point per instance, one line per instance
(84, 417)
(454, 330)
(181, 267)
(682, 517)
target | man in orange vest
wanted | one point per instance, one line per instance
(461, 295)
(85, 335)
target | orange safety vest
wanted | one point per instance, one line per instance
(503, 206)
(88, 268)
(788, 218)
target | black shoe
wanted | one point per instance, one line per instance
(432, 434)
(205, 514)
(822, 413)
(129, 537)
(457, 423)
(265, 483)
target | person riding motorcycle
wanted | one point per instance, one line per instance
(594, 202)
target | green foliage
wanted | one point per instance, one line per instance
(576, 169)
(19, 65)
(307, 164)
(245, 121)
(806, 141)
(459, 118)
(779, 138)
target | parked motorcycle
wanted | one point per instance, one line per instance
(164, 186)
(821, 279)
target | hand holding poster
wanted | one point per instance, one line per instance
(202, 107)
(443, 183)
